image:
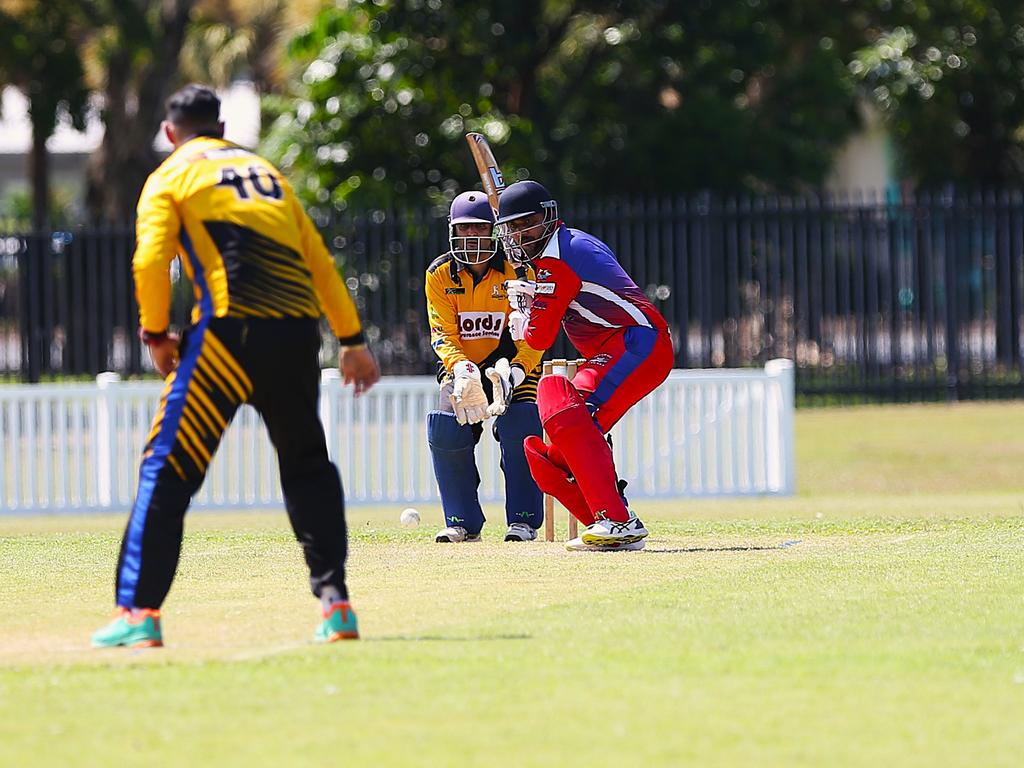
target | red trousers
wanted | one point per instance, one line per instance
(623, 373)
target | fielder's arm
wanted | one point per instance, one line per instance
(156, 244)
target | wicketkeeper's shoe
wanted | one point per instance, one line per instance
(520, 532)
(134, 628)
(577, 545)
(607, 532)
(339, 623)
(454, 534)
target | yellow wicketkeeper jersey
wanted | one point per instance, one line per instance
(468, 319)
(245, 241)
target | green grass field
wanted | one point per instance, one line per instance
(875, 619)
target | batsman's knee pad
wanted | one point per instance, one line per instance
(556, 395)
(555, 480)
(524, 502)
(451, 451)
(561, 407)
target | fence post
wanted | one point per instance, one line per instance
(30, 267)
(330, 391)
(106, 439)
(951, 255)
(784, 372)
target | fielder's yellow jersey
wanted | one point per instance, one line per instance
(246, 244)
(468, 317)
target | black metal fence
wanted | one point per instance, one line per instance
(909, 299)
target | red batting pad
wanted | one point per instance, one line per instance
(554, 480)
(573, 432)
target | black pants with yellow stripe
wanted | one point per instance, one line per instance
(273, 365)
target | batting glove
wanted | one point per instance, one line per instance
(521, 293)
(517, 321)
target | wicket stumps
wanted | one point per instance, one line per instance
(568, 369)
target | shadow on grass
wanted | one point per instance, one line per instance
(738, 548)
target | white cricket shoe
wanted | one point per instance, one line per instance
(520, 532)
(607, 532)
(454, 534)
(577, 545)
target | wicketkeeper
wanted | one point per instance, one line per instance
(483, 373)
(261, 274)
(579, 285)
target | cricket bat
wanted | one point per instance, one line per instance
(490, 176)
(487, 166)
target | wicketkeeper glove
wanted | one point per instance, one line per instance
(504, 378)
(520, 294)
(468, 398)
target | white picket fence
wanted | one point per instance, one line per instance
(68, 447)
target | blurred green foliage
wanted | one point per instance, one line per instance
(370, 104)
(950, 77)
(631, 96)
(589, 96)
(16, 210)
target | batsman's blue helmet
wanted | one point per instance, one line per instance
(522, 199)
(471, 208)
(519, 200)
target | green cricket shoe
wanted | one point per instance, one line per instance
(139, 628)
(339, 624)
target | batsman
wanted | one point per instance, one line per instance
(579, 285)
(467, 307)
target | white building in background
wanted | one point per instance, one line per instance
(866, 162)
(70, 149)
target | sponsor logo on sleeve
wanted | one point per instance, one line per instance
(450, 291)
(540, 288)
(543, 274)
(481, 325)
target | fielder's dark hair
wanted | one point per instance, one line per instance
(195, 107)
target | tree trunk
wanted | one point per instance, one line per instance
(39, 173)
(134, 96)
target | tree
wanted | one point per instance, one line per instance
(228, 41)
(136, 47)
(619, 96)
(38, 55)
(233, 40)
(948, 75)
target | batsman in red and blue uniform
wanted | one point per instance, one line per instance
(581, 287)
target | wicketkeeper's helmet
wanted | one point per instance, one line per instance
(471, 208)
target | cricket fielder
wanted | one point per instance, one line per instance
(467, 308)
(578, 285)
(261, 275)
